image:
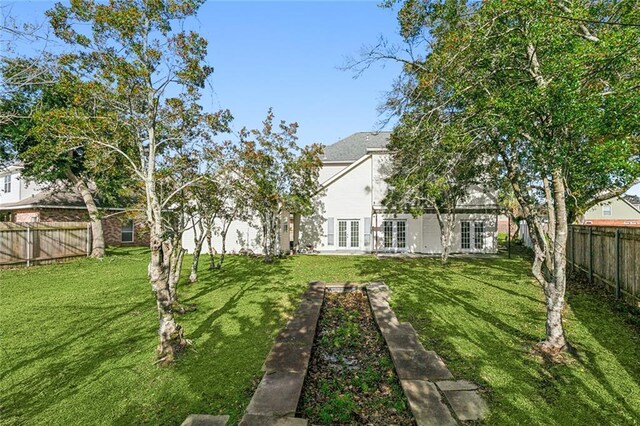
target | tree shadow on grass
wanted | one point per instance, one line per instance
(483, 316)
(240, 309)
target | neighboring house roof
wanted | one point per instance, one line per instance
(634, 200)
(50, 199)
(355, 146)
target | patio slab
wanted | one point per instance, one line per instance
(426, 403)
(467, 404)
(419, 364)
(277, 395)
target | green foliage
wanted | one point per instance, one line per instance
(340, 408)
(276, 175)
(54, 129)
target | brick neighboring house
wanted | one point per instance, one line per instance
(66, 206)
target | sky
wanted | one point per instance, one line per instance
(287, 55)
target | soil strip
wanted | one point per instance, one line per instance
(351, 379)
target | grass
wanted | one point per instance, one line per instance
(77, 339)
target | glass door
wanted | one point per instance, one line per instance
(394, 235)
(348, 233)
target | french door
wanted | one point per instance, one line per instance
(348, 233)
(472, 235)
(394, 235)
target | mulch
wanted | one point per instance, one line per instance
(351, 379)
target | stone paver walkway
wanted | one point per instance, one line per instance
(435, 398)
(425, 379)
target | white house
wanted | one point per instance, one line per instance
(350, 217)
(352, 178)
(13, 187)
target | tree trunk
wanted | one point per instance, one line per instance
(193, 275)
(199, 234)
(446, 222)
(97, 233)
(171, 334)
(296, 232)
(212, 259)
(266, 243)
(556, 287)
(223, 234)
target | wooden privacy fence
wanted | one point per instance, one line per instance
(609, 255)
(42, 242)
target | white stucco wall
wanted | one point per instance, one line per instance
(330, 169)
(240, 235)
(348, 198)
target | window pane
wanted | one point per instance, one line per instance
(342, 233)
(478, 236)
(355, 233)
(126, 234)
(401, 234)
(466, 235)
(388, 233)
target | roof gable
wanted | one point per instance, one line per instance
(355, 146)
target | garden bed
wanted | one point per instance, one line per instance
(351, 378)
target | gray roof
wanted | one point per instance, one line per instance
(355, 146)
(632, 199)
(51, 198)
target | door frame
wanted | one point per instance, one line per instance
(349, 226)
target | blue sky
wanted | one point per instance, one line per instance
(285, 55)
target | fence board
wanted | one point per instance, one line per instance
(42, 242)
(609, 264)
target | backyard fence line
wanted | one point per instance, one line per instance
(32, 243)
(607, 255)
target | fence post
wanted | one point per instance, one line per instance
(88, 239)
(591, 255)
(573, 247)
(28, 245)
(618, 264)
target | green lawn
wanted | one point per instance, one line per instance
(77, 339)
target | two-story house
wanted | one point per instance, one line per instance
(351, 218)
(353, 181)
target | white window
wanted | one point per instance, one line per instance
(472, 237)
(478, 229)
(606, 210)
(126, 232)
(7, 183)
(348, 233)
(394, 234)
(466, 235)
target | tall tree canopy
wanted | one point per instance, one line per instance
(153, 71)
(551, 90)
(278, 176)
(53, 132)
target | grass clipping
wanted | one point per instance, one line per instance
(351, 379)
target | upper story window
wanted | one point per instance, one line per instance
(7, 183)
(606, 210)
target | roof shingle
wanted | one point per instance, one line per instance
(355, 146)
